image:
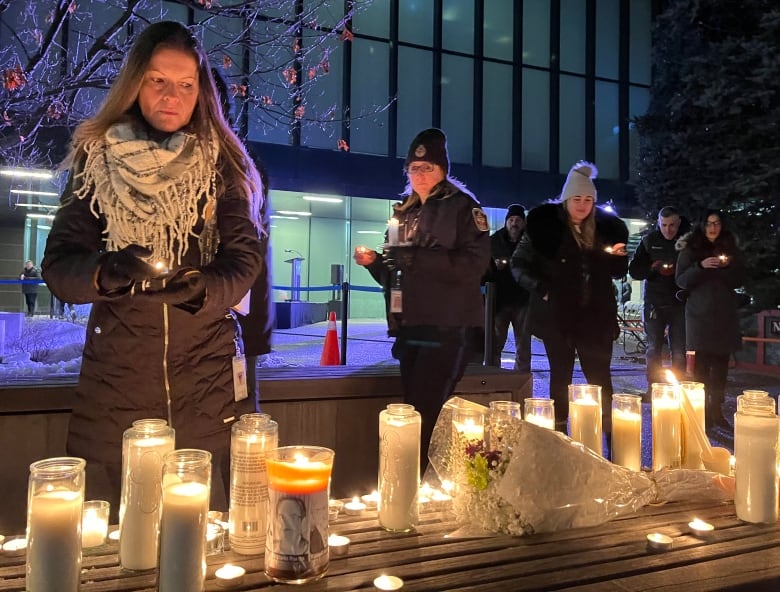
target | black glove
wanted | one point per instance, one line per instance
(186, 289)
(119, 270)
(399, 257)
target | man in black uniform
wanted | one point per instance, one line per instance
(511, 299)
(654, 261)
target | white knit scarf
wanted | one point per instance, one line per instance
(149, 191)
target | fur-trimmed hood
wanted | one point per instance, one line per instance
(547, 223)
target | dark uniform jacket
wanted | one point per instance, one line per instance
(29, 287)
(441, 267)
(508, 291)
(711, 321)
(146, 359)
(578, 283)
(659, 290)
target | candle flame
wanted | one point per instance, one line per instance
(671, 378)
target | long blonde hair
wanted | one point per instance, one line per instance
(236, 171)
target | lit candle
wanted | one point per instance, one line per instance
(585, 415)
(139, 523)
(54, 527)
(627, 431)
(691, 448)
(296, 547)
(229, 575)
(15, 546)
(700, 528)
(384, 582)
(215, 538)
(658, 541)
(355, 507)
(666, 427)
(338, 545)
(371, 500)
(94, 524)
(161, 267)
(723, 258)
(185, 506)
(113, 536)
(540, 412)
(334, 508)
(399, 467)
(392, 231)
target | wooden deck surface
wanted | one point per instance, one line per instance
(613, 557)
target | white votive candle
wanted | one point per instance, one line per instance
(338, 545)
(384, 582)
(371, 500)
(94, 524)
(691, 449)
(15, 546)
(229, 575)
(355, 507)
(658, 541)
(392, 231)
(700, 527)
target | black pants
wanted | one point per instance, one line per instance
(657, 319)
(518, 317)
(712, 370)
(595, 354)
(432, 361)
(30, 299)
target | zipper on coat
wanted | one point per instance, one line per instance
(166, 381)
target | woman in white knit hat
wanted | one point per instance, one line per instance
(568, 256)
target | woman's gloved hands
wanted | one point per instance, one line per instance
(185, 288)
(119, 270)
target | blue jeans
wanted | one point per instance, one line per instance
(657, 319)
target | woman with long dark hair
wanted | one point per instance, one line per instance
(710, 265)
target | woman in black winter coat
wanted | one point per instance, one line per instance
(567, 259)
(710, 265)
(432, 280)
(157, 177)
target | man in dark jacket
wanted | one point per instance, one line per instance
(511, 299)
(655, 262)
(30, 277)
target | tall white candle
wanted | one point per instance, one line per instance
(691, 449)
(54, 541)
(667, 425)
(392, 231)
(627, 439)
(585, 423)
(183, 537)
(399, 467)
(755, 473)
(140, 512)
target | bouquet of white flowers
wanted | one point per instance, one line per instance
(532, 479)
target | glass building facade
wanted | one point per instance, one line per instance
(522, 88)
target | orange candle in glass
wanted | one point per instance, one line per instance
(296, 548)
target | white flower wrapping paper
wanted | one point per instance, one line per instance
(547, 482)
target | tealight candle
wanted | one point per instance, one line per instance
(15, 546)
(355, 507)
(662, 542)
(94, 523)
(334, 508)
(700, 527)
(338, 545)
(2, 540)
(384, 582)
(229, 575)
(113, 536)
(371, 500)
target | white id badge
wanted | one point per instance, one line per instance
(396, 301)
(239, 378)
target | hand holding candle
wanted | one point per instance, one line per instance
(393, 225)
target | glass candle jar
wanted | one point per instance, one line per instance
(144, 445)
(399, 467)
(296, 547)
(252, 436)
(500, 417)
(690, 452)
(183, 524)
(540, 412)
(55, 502)
(667, 426)
(627, 431)
(585, 415)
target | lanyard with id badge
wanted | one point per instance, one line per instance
(239, 374)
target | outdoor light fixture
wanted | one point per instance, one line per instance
(370, 232)
(34, 205)
(41, 216)
(27, 173)
(322, 199)
(277, 217)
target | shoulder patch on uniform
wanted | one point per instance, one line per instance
(480, 219)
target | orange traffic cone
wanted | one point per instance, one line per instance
(330, 351)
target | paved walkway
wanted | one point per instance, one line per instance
(368, 344)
